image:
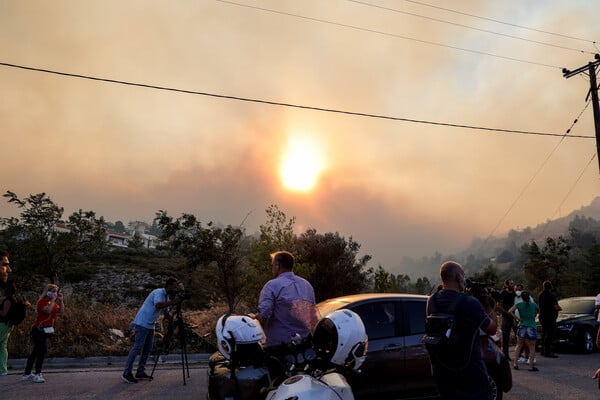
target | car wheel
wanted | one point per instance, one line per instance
(587, 342)
(496, 392)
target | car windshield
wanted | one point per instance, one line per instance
(577, 306)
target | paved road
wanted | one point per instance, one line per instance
(567, 377)
(100, 379)
(105, 383)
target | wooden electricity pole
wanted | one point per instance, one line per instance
(591, 68)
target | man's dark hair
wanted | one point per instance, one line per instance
(4, 253)
(171, 281)
(547, 285)
(285, 259)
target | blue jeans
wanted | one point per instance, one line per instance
(144, 338)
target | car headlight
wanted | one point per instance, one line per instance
(565, 327)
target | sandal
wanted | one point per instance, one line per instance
(534, 369)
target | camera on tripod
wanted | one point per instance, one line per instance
(181, 293)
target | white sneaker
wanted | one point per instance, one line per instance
(522, 360)
(27, 377)
(534, 360)
(38, 378)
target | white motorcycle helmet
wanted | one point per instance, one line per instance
(234, 332)
(341, 338)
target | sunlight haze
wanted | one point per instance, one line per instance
(353, 117)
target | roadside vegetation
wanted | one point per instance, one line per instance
(224, 267)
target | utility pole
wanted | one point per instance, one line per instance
(591, 67)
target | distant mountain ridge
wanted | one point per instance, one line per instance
(550, 228)
(491, 248)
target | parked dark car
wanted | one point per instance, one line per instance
(576, 325)
(397, 363)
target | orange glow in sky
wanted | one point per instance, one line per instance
(301, 166)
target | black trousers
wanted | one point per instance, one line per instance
(548, 335)
(38, 354)
(507, 326)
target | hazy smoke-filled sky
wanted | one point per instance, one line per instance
(403, 185)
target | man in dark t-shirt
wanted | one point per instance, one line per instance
(506, 301)
(549, 309)
(460, 373)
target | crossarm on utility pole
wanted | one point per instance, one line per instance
(591, 68)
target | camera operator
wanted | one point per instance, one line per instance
(460, 372)
(158, 300)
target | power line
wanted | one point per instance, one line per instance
(501, 22)
(571, 189)
(483, 53)
(471, 27)
(536, 173)
(276, 103)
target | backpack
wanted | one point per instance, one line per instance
(439, 326)
(17, 312)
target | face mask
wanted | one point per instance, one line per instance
(518, 293)
(52, 295)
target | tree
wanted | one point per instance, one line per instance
(38, 244)
(219, 255)
(384, 282)
(120, 227)
(549, 263)
(90, 231)
(402, 283)
(136, 241)
(423, 286)
(277, 233)
(488, 276)
(337, 270)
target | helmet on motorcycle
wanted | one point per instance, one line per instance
(341, 338)
(235, 331)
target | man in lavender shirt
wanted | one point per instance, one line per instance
(286, 306)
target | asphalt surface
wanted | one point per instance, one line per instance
(100, 378)
(567, 377)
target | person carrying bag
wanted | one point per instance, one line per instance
(49, 305)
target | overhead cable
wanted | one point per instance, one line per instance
(500, 22)
(472, 28)
(536, 173)
(483, 53)
(282, 104)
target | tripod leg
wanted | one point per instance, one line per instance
(162, 349)
(157, 354)
(185, 353)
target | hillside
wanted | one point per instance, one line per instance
(550, 228)
(490, 248)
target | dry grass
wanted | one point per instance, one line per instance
(84, 330)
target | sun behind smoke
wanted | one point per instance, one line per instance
(301, 166)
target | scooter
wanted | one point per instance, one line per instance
(311, 369)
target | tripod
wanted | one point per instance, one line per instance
(176, 327)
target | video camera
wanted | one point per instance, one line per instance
(181, 293)
(483, 291)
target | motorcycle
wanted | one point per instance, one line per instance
(310, 369)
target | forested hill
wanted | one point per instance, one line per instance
(504, 249)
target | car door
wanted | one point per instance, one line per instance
(380, 371)
(417, 367)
